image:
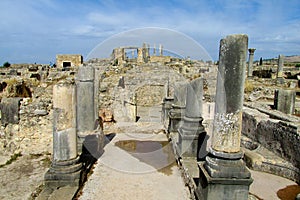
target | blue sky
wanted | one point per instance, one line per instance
(36, 30)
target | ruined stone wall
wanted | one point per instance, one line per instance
(31, 133)
(75, 60)
(278, 136)
(36, 71)
(161, 59)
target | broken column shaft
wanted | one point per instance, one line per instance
(85, 99)
(280, 79)
(140, 55)
(224, 175)
(160, 50)
(176, 113)
(284, 101)
(192, 121)
(229, 95)
(65, 168)
(250, 62)
(166, 105)
(85, 105)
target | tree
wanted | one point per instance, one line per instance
(260, 61)
(6, 64)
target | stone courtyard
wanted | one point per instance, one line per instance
(140, 126)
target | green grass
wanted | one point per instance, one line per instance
(12, 159)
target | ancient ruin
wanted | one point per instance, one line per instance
(64, 61)
(202, 128)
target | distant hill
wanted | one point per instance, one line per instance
(287, 59)
(292, 59)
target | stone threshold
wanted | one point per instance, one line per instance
(261, 159)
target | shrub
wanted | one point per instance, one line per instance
(249, 87)
(6, 64)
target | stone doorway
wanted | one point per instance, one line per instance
(148, 103)
(66, 64)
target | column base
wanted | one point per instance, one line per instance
(175, 119)
(189, 144)
(211, 188)
(91, 143)
(64, 173)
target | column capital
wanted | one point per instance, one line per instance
(251, 50)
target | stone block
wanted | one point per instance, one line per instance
(85, 106)
(211, 188)
(86, 73)
(65, 144)
(10, 110)
(284, 101)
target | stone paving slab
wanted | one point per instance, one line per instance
(264, 186)
(121, 174)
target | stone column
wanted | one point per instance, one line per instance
(119, 55)
(224, 175)
(65, 168)
(148, 51)
(85, 103)
(154, 50)
(85, 99)
(140, 56)
(160, 50)
(284, 101)
(192, 121)
(280, 78)
(250, 62)
(178, 107)
(96, 91)
(166, 106)
(145, 52)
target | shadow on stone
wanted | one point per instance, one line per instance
(108, 138)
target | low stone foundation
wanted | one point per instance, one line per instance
(278, 143)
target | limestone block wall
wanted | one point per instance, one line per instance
(278, 136)
(161, 59)
(73, 59)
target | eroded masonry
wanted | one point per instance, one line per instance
(221, 118)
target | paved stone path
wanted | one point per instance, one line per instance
(136, 166)
(269, 186)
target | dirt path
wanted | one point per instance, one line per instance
(23, 177)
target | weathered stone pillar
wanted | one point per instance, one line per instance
(140, 56)
(119, 55)
(166, 106)
(85, 103)
(154, 50)
(178, 107)
(160, 50)
(145, 52)
(250, 62)
(280, 78)
(96, 91)
(192, 121)
(284, 101)
(148, 51)
(224, 175)
(65, 168)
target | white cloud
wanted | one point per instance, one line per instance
(63, 25)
